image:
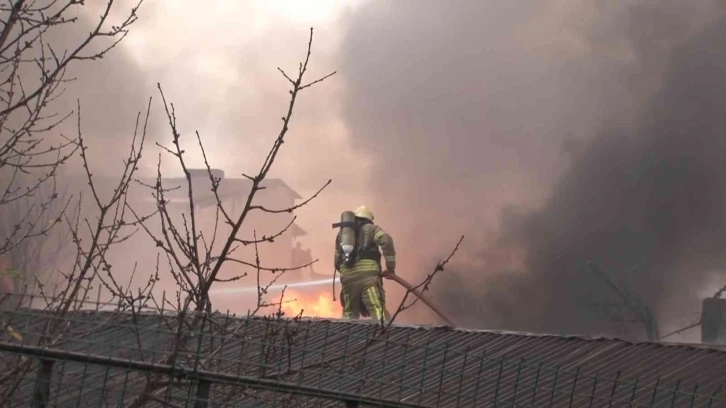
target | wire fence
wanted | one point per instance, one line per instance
(98, 358)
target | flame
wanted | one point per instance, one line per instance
(316, 304)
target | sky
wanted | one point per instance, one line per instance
(548, 133)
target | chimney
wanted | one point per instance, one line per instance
(713, 321)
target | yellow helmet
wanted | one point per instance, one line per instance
(364, 212)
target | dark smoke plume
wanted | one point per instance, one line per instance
(607, 135)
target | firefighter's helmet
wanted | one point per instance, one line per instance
(364, 212)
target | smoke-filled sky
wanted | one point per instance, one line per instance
(596, 125)
(549, 133)
(218, 65)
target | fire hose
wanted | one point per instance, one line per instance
(411, 289)
(419, 295)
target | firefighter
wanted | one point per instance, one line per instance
(302, 257)
(362, 291)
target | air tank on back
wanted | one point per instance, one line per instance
(347, 236)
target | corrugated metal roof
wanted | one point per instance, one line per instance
(426, 366)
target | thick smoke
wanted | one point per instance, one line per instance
(605, 134)
(217, 65)
(550, 133)
(111, 90)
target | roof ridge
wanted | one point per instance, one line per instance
(435, 327)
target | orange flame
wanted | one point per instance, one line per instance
(318, 304)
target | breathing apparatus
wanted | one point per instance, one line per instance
(348, 234)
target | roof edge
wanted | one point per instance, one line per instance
(701, 346)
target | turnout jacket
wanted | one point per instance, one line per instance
(368, 258)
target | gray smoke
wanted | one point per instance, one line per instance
(111, 90)
(605, 135)
(225, 86)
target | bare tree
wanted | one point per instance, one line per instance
(34, 261)
(103, 217)
(98, 223)
(195, 257)
(32, 78)
(36, 215)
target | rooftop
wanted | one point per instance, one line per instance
(229, 188)
(105, 356)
